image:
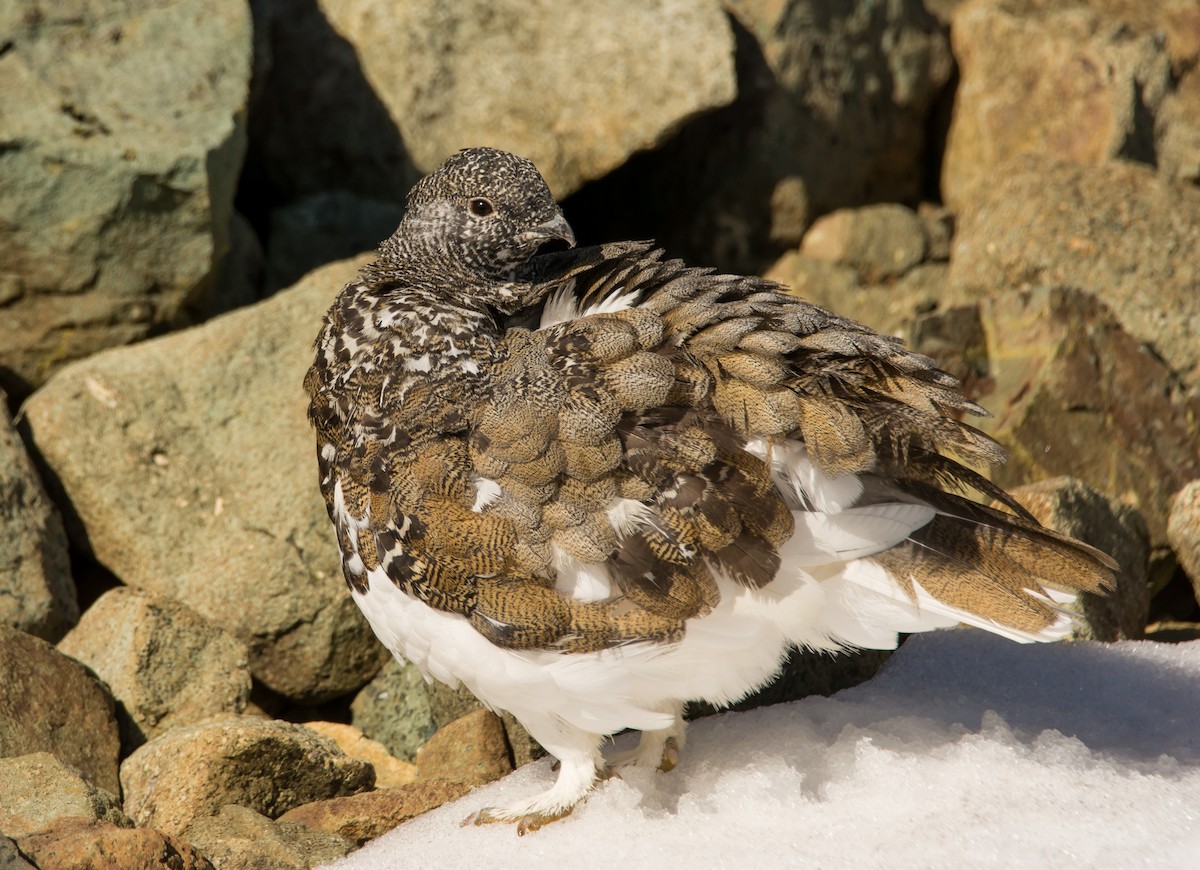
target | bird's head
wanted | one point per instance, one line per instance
(479, 217)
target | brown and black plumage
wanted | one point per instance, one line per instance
(594, 484)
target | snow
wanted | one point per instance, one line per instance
(965, 750)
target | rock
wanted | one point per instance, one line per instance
(390, 772)
(1074, 508)
(367, 815)
(11, 857)
(322, 228)
(1183, 531)
(832, 111)
(36, 592)
(394, 709)
(474, 73)
(238, 838)
(471, 750)
(1053, 78)
(37, 790)
(90, 844)
(165, 665)
(267, 765)
(880, 242)
(1119, 231)
(1074, 394)
(207, 492)
(123, 138)
(50, 703)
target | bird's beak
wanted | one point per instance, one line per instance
(555, 228)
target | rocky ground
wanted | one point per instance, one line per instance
(1011, 185)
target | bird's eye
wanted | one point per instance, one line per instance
(480, 207)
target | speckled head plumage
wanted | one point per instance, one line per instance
(479, 216)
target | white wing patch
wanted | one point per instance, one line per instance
(486, 492)
(562, 305)
(802, 483)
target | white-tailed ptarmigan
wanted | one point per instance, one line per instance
(592, 485)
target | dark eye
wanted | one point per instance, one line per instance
(480, 207)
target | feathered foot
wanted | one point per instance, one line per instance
(580, 765)
(659, 749)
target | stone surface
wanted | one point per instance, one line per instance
(475, 73)
(1074, 508)
(1074, 394)
(38, 789)
(50, 703)
(369, 814)
(1183, 531)
(1058, 79)
(165, 665)
(390, 772)
(471, 749)
(833, 106)
(207, 491)
(1086, 81)
(394, 709)
(267, 765)
(879, 242)
(123, 134)
(1120, 231)
(11, 857)
(89, 844)
(36, 592)
(238, 838)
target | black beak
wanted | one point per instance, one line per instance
(555, 228)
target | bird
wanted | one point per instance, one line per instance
(594, 484)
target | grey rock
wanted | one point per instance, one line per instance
(394, 708)
(207, 489)
(1183, 531)
(37, 594)
(11, 857)
(1120, 231)
(38, 789)
(165, 665)
(266, 765)
(50, 703)
(1072, 507)
(238, 838)
(122, 141)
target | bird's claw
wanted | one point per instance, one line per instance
(526, 824)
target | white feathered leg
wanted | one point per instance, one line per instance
(659, 748)
(580, 764)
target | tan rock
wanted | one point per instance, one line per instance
(37, 790)
(266, 765)
(166, 665)
(1183, 531)
(238, 838)
(367, 815)
(390, 772)
(90, 844)
(50, 703)
(879, 242)
(471, 750)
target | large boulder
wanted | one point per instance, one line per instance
(1119, 231)
(50, 703)
(264, 764)
(576, 87)
(206, 491)
(122, 138)
(37, 594)
(165, 665)
(36, 790)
